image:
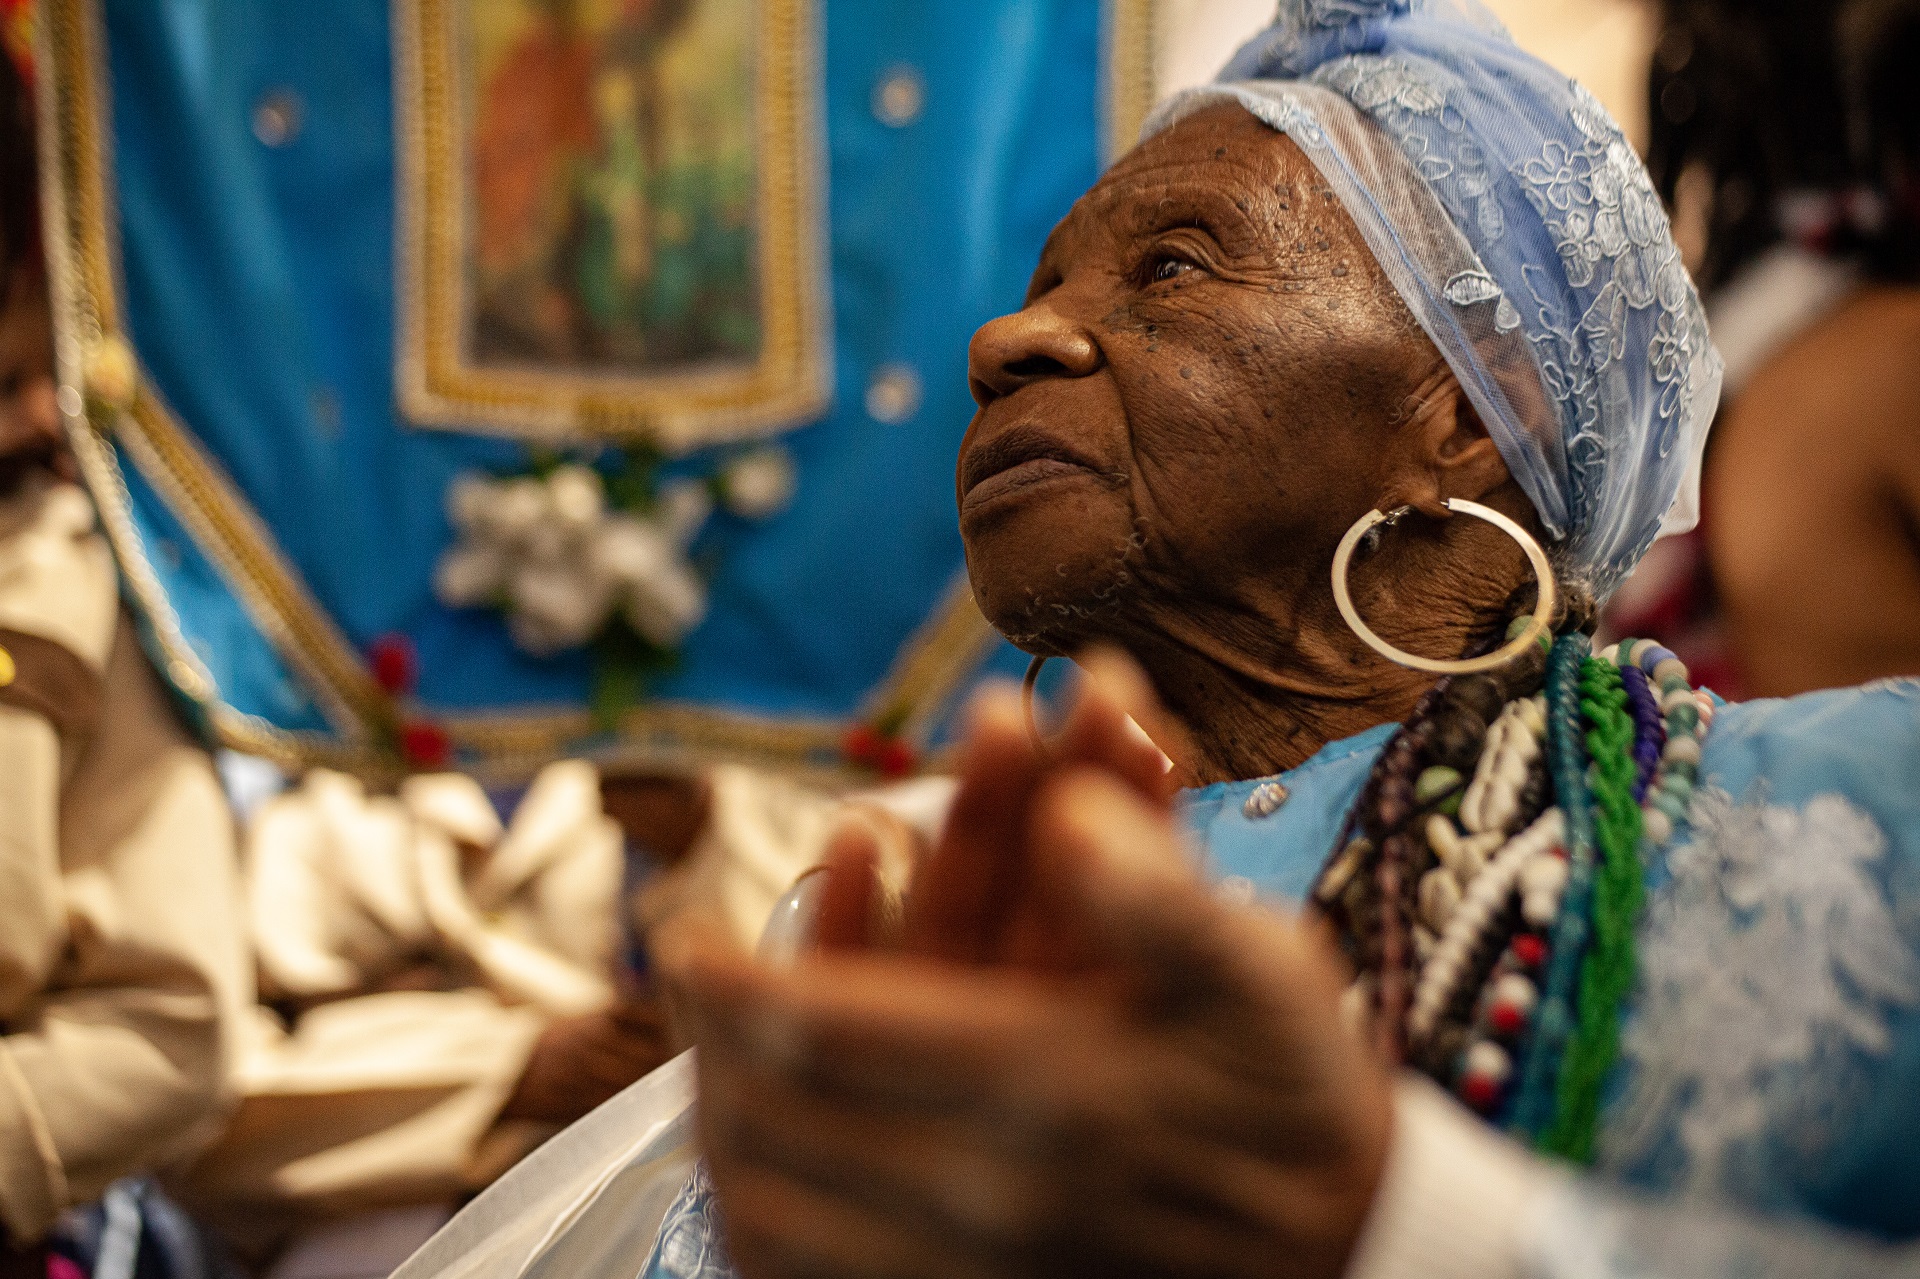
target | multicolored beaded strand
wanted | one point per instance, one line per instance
(1650, 731)
(1430, 874)
(1688, 715)
(1492, 801)
(1509, 998)
(1566, 757)
(1469, 927)
(1466, 901)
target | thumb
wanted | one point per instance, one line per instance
(1116, 724)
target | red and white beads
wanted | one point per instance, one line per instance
(1485, 1070)
(1502, 1018)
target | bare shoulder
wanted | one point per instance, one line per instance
(1859, 366)
(1884, 319)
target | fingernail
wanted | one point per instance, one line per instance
(995, 706)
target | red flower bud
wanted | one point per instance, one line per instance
(425, 744)
(896, 758)
(396, 666)
(862, 744)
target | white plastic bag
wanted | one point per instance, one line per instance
(587, 1204)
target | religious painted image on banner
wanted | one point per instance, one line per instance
(611, 154)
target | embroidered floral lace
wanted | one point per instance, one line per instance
(1520, 228)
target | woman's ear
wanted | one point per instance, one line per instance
(1443, 451)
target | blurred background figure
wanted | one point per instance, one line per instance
(440, 992)
(1786, 139)
(122, 976)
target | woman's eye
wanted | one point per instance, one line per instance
(1168, 268)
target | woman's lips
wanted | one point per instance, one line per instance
(1013, 459)
(1022, 475)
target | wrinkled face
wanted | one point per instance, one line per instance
(1201, 390)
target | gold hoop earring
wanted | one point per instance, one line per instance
(1027, 687)
(1539, 626)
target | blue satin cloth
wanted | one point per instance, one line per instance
(259, 289)
(1767, 1103)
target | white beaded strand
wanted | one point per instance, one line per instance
(1479, 910)
(1492, 802)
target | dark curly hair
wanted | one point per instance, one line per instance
(1883, 53)
(19, 168)
(1761, 99)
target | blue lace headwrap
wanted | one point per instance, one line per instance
(1520, 228)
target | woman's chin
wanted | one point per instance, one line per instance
(1051, 590)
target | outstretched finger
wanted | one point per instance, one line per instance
(963, 892)
(850, 893)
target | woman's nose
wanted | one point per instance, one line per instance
(1027, 346)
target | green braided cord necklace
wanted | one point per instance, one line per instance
(1607, 970)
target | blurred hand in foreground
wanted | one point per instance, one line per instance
(1074, 1059)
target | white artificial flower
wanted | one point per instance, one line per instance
(468, 499)
(759, 485)
(470, 574)
(518, 507)
(628, 550)
(558, 607)
(577, 496)
(667, 604)
(550, 544)
(562, 563)
(684, 508)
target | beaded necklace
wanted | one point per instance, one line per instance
(1650, 733)
(1489, 879)
(1607, 968)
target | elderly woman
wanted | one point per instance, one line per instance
(1299, 392)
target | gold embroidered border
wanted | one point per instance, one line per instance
(1129, 74)
(85, 286)
(183, 667)
(77, 212)
(932, 666)
(790, 381)
(82, 242)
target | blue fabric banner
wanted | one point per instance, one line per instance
(254, 167)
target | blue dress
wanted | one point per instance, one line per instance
(1764, 1118)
